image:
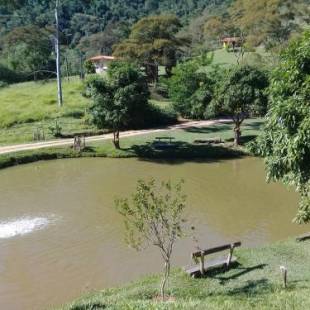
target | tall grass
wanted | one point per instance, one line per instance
(37, 101)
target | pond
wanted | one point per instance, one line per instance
(60, 235)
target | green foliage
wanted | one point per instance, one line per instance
(120, 101)
(27, 49)
(55, 129)
(241, 93)
(191, 86)
(285, 142)
(152, 41)
(154, 217)
(9, 76)
(159, 116)
(89, 67)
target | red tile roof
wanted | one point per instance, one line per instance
(101, 57)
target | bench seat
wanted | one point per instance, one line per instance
(211, 264)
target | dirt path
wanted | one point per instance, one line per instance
(129, 133)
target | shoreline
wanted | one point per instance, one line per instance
(255, 282)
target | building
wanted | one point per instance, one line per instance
(231, 42)
(101, 62)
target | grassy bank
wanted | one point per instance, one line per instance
(28, 107)
(255, 282)
(31, 107)
(143, 146)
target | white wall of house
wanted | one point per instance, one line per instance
(102, 65)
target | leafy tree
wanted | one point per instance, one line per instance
(27, 48)
(120, 100)
(103, 42)
(89, 67)
(240, 94)
(285, 141)
(152, 41)
(191, 87)
(268, 22)
(154, 217)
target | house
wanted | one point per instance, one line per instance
(101, 62)
(231, 42)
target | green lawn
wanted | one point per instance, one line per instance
(26, 108)
(142, 146)
(255, 283)
(37, 101)
(222, 57)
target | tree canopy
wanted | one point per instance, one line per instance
(152, 42)
(241, 93)
(120, 100)
(285, 141)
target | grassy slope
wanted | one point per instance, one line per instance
(222, 57)
(141, 146)
(255, 283)
(27, 106)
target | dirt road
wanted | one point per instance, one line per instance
(129, 133)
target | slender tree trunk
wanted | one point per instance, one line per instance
(237, 135)
(237, 130)
(165, 279)
(116, 139)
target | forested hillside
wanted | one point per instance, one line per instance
(90, 27)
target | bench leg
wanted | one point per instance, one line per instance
(229, 257)
(202, 265)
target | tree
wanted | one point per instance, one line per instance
(154, 217)
(89, 67)
(120, 100)
(27, 49)
(268, 22)
(103, 42)
(152, 42)
(191, 87)
(240, 94)
(285, 141)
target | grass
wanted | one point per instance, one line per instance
(27, 108)
(255, 283)
(222, 57)
(37, 101)
(143, 147)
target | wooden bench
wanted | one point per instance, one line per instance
(303, 237)
(163, 142)
(204, 266)
(160, 139)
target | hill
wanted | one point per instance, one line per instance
(31, 106)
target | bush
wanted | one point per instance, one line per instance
(89, 67)
(9, 76)
(157, 116)
(192, 86)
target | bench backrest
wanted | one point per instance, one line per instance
(216, 249)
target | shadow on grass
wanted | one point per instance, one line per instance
(253, 125)
(208, 130)
(252, 287)
(92, 306)
(244, 139)
(238, 272)
(178, 152)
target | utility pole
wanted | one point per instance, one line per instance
(57, 50)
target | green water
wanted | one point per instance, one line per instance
(60, 235)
